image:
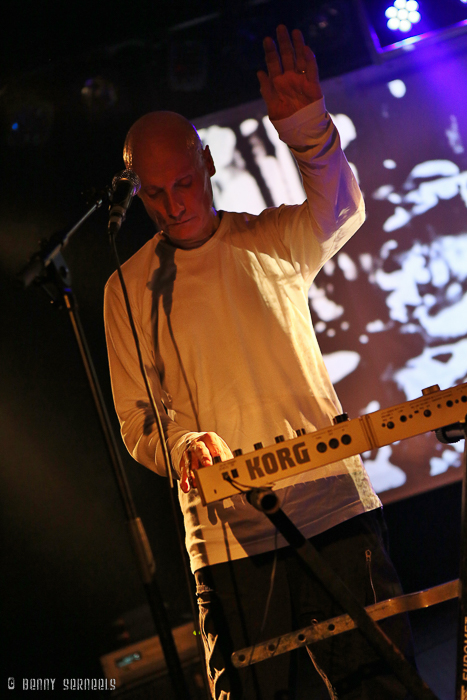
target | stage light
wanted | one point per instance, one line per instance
(406, 22)
(402, 15)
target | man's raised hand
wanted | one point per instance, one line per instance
(292, 81)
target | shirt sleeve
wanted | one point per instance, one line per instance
(334, 209)
(137, 422)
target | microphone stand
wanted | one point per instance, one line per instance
(48, 269)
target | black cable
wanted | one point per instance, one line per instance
(167, 462)
(182, 370)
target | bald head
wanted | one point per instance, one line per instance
(161, 130)
(165, 151)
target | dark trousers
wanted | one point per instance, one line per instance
(232, 599)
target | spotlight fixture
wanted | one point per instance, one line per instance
(407, 22)
(402, 15)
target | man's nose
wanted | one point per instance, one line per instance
(174, 204)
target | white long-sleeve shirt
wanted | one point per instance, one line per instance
(229, 347)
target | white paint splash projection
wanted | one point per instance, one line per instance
(443, 180)
(418, 276)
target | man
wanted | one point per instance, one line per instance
(221, 308)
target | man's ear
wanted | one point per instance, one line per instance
(208, 161)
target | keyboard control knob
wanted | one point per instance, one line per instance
(430, 390)
(340, 419)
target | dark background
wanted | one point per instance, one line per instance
(73, 78)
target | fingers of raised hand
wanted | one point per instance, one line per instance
(286, 48)
(294, 53)
(273, 62)
(278, 64)
(294, 56)
(311, 68)
(301, 54)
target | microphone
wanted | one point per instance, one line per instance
(124, 187)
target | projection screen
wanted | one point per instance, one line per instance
(390, 310)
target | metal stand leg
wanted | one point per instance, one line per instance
(267, 502)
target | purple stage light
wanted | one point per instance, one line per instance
(402, 15)
(406, 22)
